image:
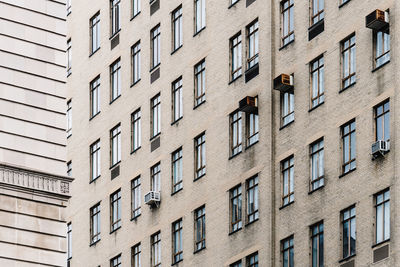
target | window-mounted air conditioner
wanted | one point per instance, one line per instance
(248, 104)
(152, 198)
(284, 83)
(377, 20)
(380, 148)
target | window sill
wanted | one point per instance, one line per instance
(176, 121)
(231, 5)
(116, 229)
(286, 45)
(175, 263)
(347, 87)
(112, 101)
(250, 223)
(154, 137)
(114, 34)
(93, 180)
(344, 174)
(287, 205)
(94, 52)
(233, 232)
(233, 156)
(91, 118)
(195, 107)
(286, 125)
(133, 84)
(345, 3)
(135, 217)
(316, 189)
(154, 67)
(198, 250)
(199, 177)
(134, 151)
(134, 16)
(173, 52)
(198, 32)
(347, 258)
(233, 80)
(177, 191)
(380, 243)
(381, 66)
(253, 144)
(313, 108)
(94, 243)
(112, 166)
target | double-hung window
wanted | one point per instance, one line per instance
(116, 261)
(252, 199)
(200, 228)
(177, 241)
(69, 118)
(69, 168)
(382, 46)
(115, 74)
(317, 11)
(177, 101)
(382, 209)
(382, 121)
(155, 241)
(69, 6)
(200, 83)
(95, 223)
(115, 200)
(236, 132)
(287, 108)
(349, 231)
(135, 7)
(136, 197)
(177, 30)
(287, 246)
(136, 255)
(251, 128)
(136, 129)
(155, 36)
(252, 44)
(317, 245)
(95, 33)
(155, 115)
(317, 164)
(200, 155)
(348, 61)
(349, 146)
(115, 140)
(252, 260)
(155, 173)
(95, 97)
(236, 208)
(199, 15)
(135, 52)
(317, 76)
(287, 166)
(287, 10)
(115, 16)
(236, 56)
(95, 161)
(177, 170)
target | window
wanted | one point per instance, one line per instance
(155, 46)
(68, 7)
(135, 11)
(287, 247)
(252, 199)
(199, 15)
(95, 223)
(136, 251)
(287, 108)
(287, 166)
(95, 160)
(317, 82)
(177, 103)
(382, 46)
(287, 10)
(236, 264)
(252, 260)
(115, 73)
(116, 261)
(200, 83)
(200, 228)
(177, 34)
(95, 97)
(382, 121)
(236, 208)
(69, 118)
(317, 12)
(349, 146)
(252, 49)
(136, 197)
(115, 200)
(155, 241)
(177, 239)
(251, 128)
(155, 115)
(177, 170)
(95, 33)
(115, 136)
(200, 155)
(382, 208)
(236, 132)
(317, 164)
(136, 130)
(135, 50)
(236, 56)
(115, 14)
(317, 245)
(349, 231)
(348, 61)
(69, 57)
(69, 168)
(155, 173)
(69, 241)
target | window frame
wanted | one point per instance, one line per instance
(115, 133)
(155, 46)
(115, 25)
(136, 195)
(199, 217)
(382, 36)
(236, 127)
(95, 97)
(69, 242)
(287, 11)
(385, 223)
(287, 99)
(177, 236)
(155, 249)
(252, 260)
(155, 111)
(177, 159)
(69, 57)
(116, 261)
(252, 191)
(320, 241)
(115, 80)
(199, 155)
(95, 219)
(320, 70)
(95, 160)
(348, 54)
(136, 130)
(348, 132)
(177, 99)
(177, 28)
(252, 41)
(235, 209)
(320, 14)
(320, 148)
(155, 177)
(287, 167)
(199, 24)
(115, 204)
(348, 217)
(200, 83)
(136, 252)
(135, 8)
(69, 118)
(287, 248)
(94, 26)
(235, 44)
(135, 62)
(252, 128)
(384, 122)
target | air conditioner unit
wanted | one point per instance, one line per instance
(379, 148)
(377, 20)
(152, 198)
(248, 104)
(284, 83)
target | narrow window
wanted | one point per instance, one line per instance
(200, 83)
(135, 50)
(155, 115)
(155, 241)
(382, 208)
(199, 15)
(317, 81)
(252, 199)
(382, 46)
(69, 57)
(236, 56)
(177, 170)
(136, 252)
(136, 197)
(252, 260)
(287, 108)
(287, 247)
(135, 11)
(177, 102)
(115, 74)
(116, 261)
(200, 228)
(349, 146)
(69, 118)
(317, 11)
(115, 140)
(115, 17)
(252, 40)
(317, 164)
(155, 46)
(69, 7)
(200, 155)
(69, 168)
(177, 32)
(287, 10)
(95, 33)
(236, 208)
(236, 264)
(95, 223)
(69, 242)
(177, 240)
(95, 161)
(136, 130)
(236, 132)
(155, 173)
(115, 200)
(317, 245)
(252, 128)
(95, 97)
(287, 166)
(348, 61)
(382, 121)
(349, 231)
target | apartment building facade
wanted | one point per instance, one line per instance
(233, 133)
(34, 186)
